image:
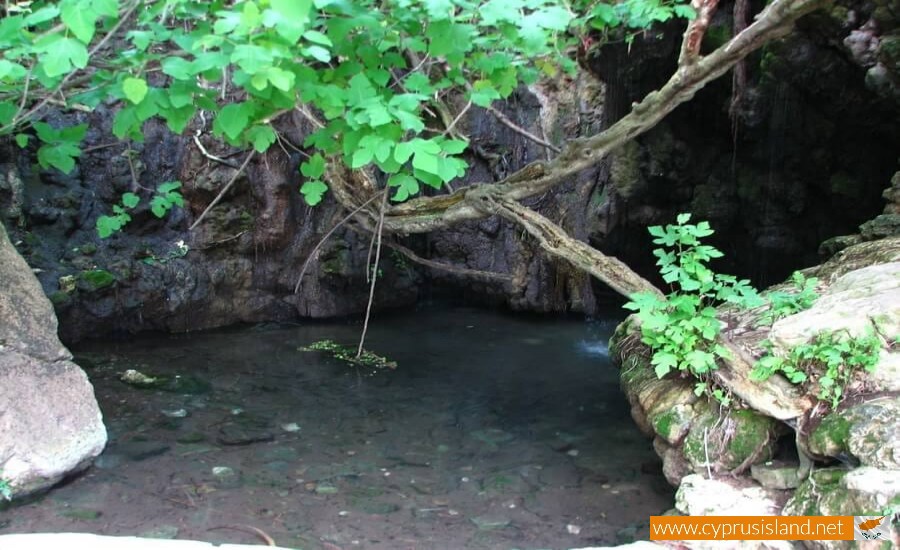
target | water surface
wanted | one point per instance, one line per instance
(494, 432)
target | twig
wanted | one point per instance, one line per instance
(249, 529)
(325, 238)
(362, 337)
(223, 191)
(463, 271)
(458, 117)
(209, 155)
(521, 131)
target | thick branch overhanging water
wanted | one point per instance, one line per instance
(694, 72)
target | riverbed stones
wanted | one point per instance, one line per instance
(39, 381)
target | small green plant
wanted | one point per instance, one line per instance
(830, 360)
(681, 328)
(107, 225)
(5, 489)
(788, 303)
(165, 198)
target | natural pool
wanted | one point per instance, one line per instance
(496, 431)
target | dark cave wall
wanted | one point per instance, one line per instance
(805, 156)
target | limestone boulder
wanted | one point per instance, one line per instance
(867, 431)
(860, 302)
(699, 496)
(863, 491)
(50, 423)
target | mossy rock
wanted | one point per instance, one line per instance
(884, 225)
(829, 438)
(674, 423)
(731, 442)
(95, 279)
(837, 492)
(867, 431)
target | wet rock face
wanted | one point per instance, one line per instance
(51, 424)
(804, 157)
(240, 264)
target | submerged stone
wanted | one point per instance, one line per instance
(489, 523)
(235, 435)
(141, 450)
(83, 514)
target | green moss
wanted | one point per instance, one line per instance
(751, 433)
(58, 298)
(830, 436)
(95, 279)
(88, 249)
(662, 424)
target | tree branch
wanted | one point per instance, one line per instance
(426, 214)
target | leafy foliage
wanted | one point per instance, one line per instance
(165, 198)
(5, 489)
(783, 304)
(107, 225)
(371, 72)
(829, 360)
(681, 328)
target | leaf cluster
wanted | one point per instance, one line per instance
(682, 328)
(829, 361)
(374, 73)
(783, 304)
(164, 199)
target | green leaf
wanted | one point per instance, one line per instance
(61, 156)
(80, 18)
(317, 52)
(61, 55)
(22, 140)
(313, 191)
(683, 218)
(280, 78)
(42, 15)
(262, 137)
(232, 119)
(135, 89)
(177, 67)
(426, 162)
(317, 38)
(314, 167)
(406, 185)
(8, 111)
(130, 200)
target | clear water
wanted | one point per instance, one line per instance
(494, 432)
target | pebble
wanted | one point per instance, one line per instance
(175, 413)
(573, 529)
(290, 427)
